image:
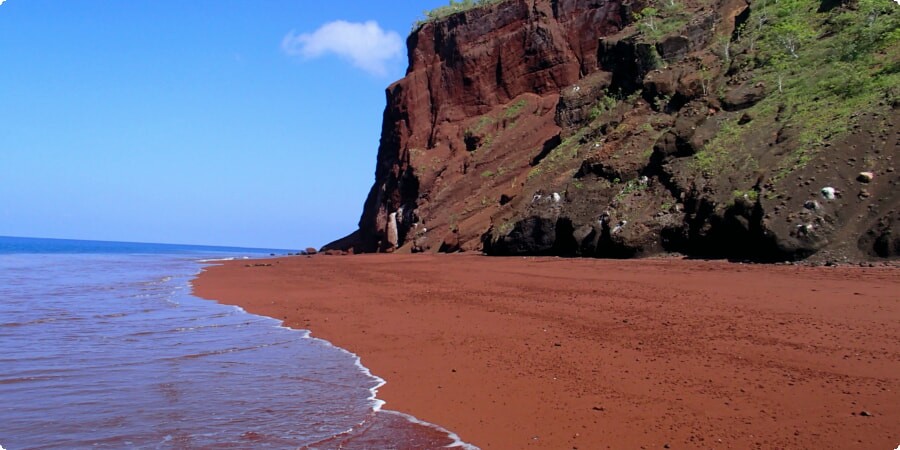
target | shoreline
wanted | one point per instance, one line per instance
(574, 353)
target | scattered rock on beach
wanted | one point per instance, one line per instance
(865, 177)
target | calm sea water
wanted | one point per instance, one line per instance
(103, 346)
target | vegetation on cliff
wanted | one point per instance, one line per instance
(808, 73)
(453, 7)
(764, 130)
(825, 68)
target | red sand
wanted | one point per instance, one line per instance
(569, 353)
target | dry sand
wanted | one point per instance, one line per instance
(554, 353)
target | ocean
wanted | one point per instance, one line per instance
(103, 346)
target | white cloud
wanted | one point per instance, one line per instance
(366, 45)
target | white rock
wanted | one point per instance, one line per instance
(829, 193)
(556, 197)
(392, 234)
(865, 177)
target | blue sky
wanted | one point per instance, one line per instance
(249, 123)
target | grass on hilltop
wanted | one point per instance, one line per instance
(455, 6)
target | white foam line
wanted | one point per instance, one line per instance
(457, 442)
(377, 403)
(357, 361)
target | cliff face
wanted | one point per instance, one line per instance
(469, 66)
(570, 127)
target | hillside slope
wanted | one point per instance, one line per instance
(714, 128)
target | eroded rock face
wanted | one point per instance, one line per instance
(550, 127)
(467, 66)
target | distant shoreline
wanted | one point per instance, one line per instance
(582, 353)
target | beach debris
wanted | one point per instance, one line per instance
(829, 193)
(865, 177)
(555, 197)
(644, 180)
(619, 226)
(811, 205)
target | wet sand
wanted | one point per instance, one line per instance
(566, 353)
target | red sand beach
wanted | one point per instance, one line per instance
(555, 353)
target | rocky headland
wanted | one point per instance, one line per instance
(764, 131)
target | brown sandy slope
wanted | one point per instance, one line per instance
(553, 353)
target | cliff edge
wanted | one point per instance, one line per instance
(765, 131)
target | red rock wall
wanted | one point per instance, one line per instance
(462, 67)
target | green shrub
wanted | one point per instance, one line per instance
(606, 103)
(513, 110)
(655, 23)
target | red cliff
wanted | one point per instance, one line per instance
(612, 129)
(487, 69)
